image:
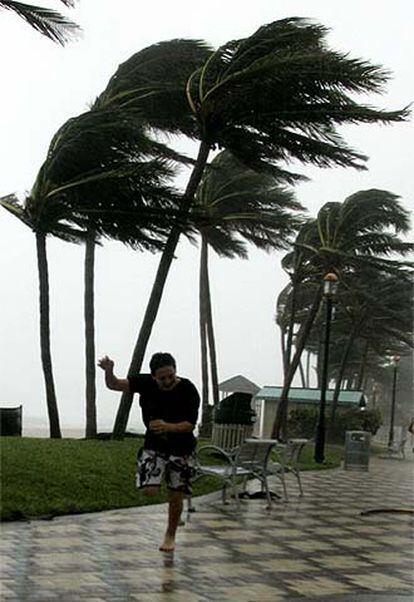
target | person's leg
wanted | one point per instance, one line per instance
(150, 471)
(175, 507)
(178, 476)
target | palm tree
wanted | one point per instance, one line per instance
(294, 301)
(33, 217)
(95, 182)
(360, 233)
(131, 202)
(378, 306)
(48, 22)
(276, 95)
(237, 204)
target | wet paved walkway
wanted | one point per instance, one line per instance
(315, 547)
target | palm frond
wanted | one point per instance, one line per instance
(283, 88)
(237, 202)
(153, 83)
(104, 171)
(48, 22)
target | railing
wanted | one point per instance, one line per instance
(228, 436)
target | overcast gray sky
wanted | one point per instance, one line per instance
(43, 85)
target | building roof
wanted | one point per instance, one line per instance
(312, 396)
(239, 384)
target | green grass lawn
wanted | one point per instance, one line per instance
(42, 478)
(333, 456)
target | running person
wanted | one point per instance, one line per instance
(169, 406)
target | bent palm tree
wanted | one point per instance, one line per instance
(237, 205)
(41, 226)
(360, 233)
(378, 306)
(136, 206)
(48, 22)
(276, 95)
(93, 184)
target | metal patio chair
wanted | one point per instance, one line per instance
(287, 462)
(249, 460)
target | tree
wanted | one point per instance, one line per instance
(362, 232)
(276, 95)
(48, 22)
(377, 309)
(101, 177)
(238, 205)
(131, 202)
(41, 224)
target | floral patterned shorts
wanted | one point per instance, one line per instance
(153, 466)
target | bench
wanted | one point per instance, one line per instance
(249, 460)
(287, 461)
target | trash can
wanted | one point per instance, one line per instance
(357, 448)
(235, 409)
(11, 422)
(233, 421)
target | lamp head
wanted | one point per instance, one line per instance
(330, 284)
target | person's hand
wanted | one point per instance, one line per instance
(106, 363)
(159, 426)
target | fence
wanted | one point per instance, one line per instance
(228, 436)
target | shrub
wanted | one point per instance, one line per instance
(355, 420)
(302, 422)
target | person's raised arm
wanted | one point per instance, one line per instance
(111, 381)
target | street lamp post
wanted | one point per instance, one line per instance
(329, 291)
(395, 361)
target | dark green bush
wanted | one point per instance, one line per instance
(355, 419)
(302, 422)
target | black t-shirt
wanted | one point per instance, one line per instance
(180, 404)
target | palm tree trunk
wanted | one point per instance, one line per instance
(46, 355)
(210, 335)
(203, 337)
(302, 373)
(291, 326)
(319, 362)
(283, 347)
(308, 358)
(89, 315)
(341, 373)
(153, 305)
(362, 367)
(279, 426)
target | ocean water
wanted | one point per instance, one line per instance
(43, 432)
(71, 432)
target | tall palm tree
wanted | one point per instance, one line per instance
(42, 225)
(378, 308)
(95, 182)
(48, 22)
(130, 203)
(276, 95)
(362, 232)
(238, 205)
(295, 299)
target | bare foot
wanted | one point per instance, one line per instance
(168, 544)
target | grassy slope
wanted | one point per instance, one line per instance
(49, 477)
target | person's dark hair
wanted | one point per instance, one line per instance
(160, 360)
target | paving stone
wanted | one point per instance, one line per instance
(318, 547)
